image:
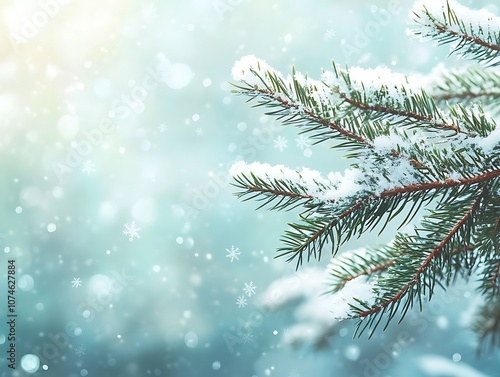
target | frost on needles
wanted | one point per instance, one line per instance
(413, 143)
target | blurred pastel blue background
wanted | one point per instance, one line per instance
(117, 117)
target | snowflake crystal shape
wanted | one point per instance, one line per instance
(132, 231)
(233, 253)
(241, 302)
(329, 34)
(249, 289)
(88, 167)
(248, 337)
(199, 131)
(76, 282)
(302, 142)
(163, 128)
(280, 143)
(286, 333)
(80, 351)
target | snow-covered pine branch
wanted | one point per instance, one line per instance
(409, 148)
(473, 34)
(466, 85)
(391, 162)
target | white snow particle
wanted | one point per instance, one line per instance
(132, 231)
(233, 253)
(88, 167)
(302, 142)
(241, 302)
(248, 337)
(249, 289)
(280, 143)
(80, 351)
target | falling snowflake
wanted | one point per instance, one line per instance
(163, 128)
(248, 337)
(88, 167)
(76, 282)
(286, 333)
(199, 131)
(80, 351)
(132, 231)
(233, 253)
(302, 142)
(249, 289)
(280, 143)
(329, 34)
(241, 302)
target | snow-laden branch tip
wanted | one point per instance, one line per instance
(477, 22)
(472, 33)
(371, 81)
(246, 68)
(355, 290)
(257, 73)
(489, 142)
(333, 188)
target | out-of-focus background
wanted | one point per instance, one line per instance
(133, 257)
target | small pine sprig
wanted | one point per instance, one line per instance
(473, 33)
(487, 325)
(467, 85)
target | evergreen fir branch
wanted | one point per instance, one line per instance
(471, 122)
(487, 324)
(466, 85)
(282, 97)
(415, 108)
(337, 223)
(409, 116)
(487, 237)
(474, 119)
(409, 149)
(449, 183)
(456, 160)
(382, 94)
(301, 114)
(287, 195)
(490, 278)
(449, 22)
(330, 222)
(358, 132)
(442, 241)
(297, 100)
(310, 236)
(311, 116)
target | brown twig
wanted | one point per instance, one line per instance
(402, 113)
(468, 38)
(463, 95)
